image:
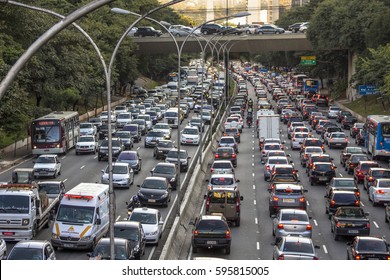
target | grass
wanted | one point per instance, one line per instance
(370, 105)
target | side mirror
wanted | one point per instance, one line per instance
(305, 190)
(138, 186)
(160, 223)
(98, 221)
(367, 213)
(238, 180)
(102, 171)
(241, 198)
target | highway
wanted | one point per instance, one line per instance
(253, 239)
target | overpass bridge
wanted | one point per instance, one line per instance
(248, 44)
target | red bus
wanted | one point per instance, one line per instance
(55, 133)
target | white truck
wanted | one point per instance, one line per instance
(24, 209)
(268, 126)
(192, 81)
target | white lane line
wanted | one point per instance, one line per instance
(257, 245)
(307, 203)
(253, 156)
(254, 202)
(361, 203)
(117, 219)
(254, 187)
(256, 221)
(253, 164)
(253, 142)
(253, 174)
(325, 250)
(151, 253)
(315, 222)
(376, 225)
(64, 157)
(138, 148)
(65, 180)
(95, 157)
(341, 175)
(82, 167)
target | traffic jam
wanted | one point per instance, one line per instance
(313, 176)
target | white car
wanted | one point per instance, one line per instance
(292, 126)
(122, 119)
(380, 192)
(165, 128)
(228, 180)
(88, 129)
(270, 147)
(190, 135)
(270, 164)
(47, 166)
(332, 112)
(151, 222)
(122, 175)
(86, 144)
(297, 139)
(104, 116)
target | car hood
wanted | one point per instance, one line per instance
(156, 192)
(168, 176)
(85, 143)
(149, 228)
(116, 177)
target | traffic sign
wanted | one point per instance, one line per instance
(308, 60)
(367, 89)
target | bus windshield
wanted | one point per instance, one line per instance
(46, 134)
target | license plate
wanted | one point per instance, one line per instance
(68, 245)
(225, 154)
(8, 233)
(151, 200)
(353, 231)
(288, 200)
(189, 141)
(211, 242)
(323, 178)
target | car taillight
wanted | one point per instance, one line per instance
(302, 199)
(338, 224)
(196, 232)
(281, 257)
(358, 193)
(216, 156)
(370, 179)
(233, 155)
(368, 225)
(315, 258)
(293, 139)
(333, 202)
(357, 202)
(211, 170)
(280, 226)
(207, 203)
(308, 227)
(359, 173)
(380, 192)
(275, 198)
(358, 257)
(268, 168)
(227, 234)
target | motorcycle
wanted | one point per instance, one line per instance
(249, 122)
(133, 203)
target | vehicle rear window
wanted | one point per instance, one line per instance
(366, 166)
(321, 159)
(323, 167)
(211, 225)
(298, 247)
(384, 184)
(372, 245)
(345, 197)
(127, 156)
(344, 183)
(288, 191)
(313, 143)
(221, 181)
(294, 217)
(381, 173)
(219, 196)
(222, 165)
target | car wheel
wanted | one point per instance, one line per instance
(77, 152)
(227, 250)
(205, 32)
(386, 218)
(194, 249)
(335, 236)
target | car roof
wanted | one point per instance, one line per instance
(155, 178)
(222, 175)
(117, 240)
(165, 164)
(300, 239)
(127, 224)
(213, 217)
(291, 210)
(145, 210)
(31, 244)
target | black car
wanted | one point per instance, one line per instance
(132, 231)
(132, 158)
(122, 247)
(166, 170)
(338, 199)
(126, 138)
(294, 27)
(342, 114)
(348, 121)
(342, 184)
(368, 248)
(353, 161)
(162, 148)
(211, 231)
(211, 28)
(117, 148)
(321, 172)
(153, 137)
(347, 152)
(350, 221)
(103, 133)
(134, 131)
(143, 31)
(226, 153)
(154, 191)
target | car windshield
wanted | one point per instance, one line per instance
(321, 159)
(26, 254)
(129, 233)
(298, 247)
(354, 150)
(127, 156)
(144, 218)
(353, 212)
(224, 150)
(103, 251)
(161, 126)
(43, 159)
(294, 217)
(221, 181)
(75, 214)
(155, 134)
(366, 166)
(271, 147)
(345, 197)
(174, 154)
(338, 135)
(191, 131)
(118, 169)
(221, 164)
(164, 169)
(284, 170)
(86, 125)
(87, 139)
(49, 188)
(287, 191)
(154, 184)
(313, 150)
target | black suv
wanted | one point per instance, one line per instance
(147, 31)
(211, 231)
(103, 133)
(162, 148)
(341, 115)
(340, 198)
(117, 148)
(211, 28)
(321, 172)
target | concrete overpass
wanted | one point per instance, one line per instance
(249, 44)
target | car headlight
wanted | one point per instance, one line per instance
(54, 236)
(85, 238)
(25, 222)
(141, 194)
(154, 232)
(173, 179)
(165, 195)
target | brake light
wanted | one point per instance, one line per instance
(216, 156)
(196, 232)
(207, 203)
(368, 225)
(358, 193)
(293, 139)
(333, 202)
(357, 202)
(302, 199)
(315, 258)
(280, 226)
(370, 179)
(308, 227)
(268, 168)
(211, 169)
(275, 198)
(281, 257)
(359, 173)
(358, 257)
(380, 192)
(227, 233)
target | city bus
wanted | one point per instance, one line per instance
(378, 135)
(298, 80)
(55, 133)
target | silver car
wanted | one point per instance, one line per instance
(122, 175)
(292, 222)
(297, 140)
(294, 248)
(151, 222)
(337, 139)
(32, 250)
(271, 161)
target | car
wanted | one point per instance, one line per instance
(190, 135)
(122, 119)
(286, 195)
(53, 189)
(296, 127)
(154, 191)
(360, 138)
(152, 138)
(197, 121)
(321, 172)
(228, 141)
(291, 222)
(348, 121)
(374, 173)
(294, 248)
(122, 248)
(226, 153)
(134, 130)
(3, 249)
(347, 152)
(379, 192)
(126, 138)
(222, 167)
(211, 28)
(269, 29)
(332, 112)
(329, 127)
(267, 147)
(86, 144)
(228, 180)
(304, 26)
(320, 126)
(233, 131)
(361, 170)
(144, 31)
(122, 175)
(294, 28)
(117, 148)
(368, 248)
(312, 142)
(32, 250)
(317, 158)
(341, 114)
(340, 198)
(271, 161)
(297, 139)
(151, 222)
(48, 165)
(174, 156)
(97, 122)
(134, 233)
(141, 125)
(166, 170)
(132, 158)
(180, 30)
(304, 156)
(354, 130)
(162, 148)
(353, 161)
(337, 139)
(342, 184)
(350, 221)
(88, 128)
(104, 116)
(211, 231)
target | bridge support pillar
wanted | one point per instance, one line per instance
(352, 93)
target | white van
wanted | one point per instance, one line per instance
(82, 217)
(171, 117)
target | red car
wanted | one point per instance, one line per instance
(362, 169)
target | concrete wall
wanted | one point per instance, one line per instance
(342, 107)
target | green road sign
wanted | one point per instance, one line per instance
(308, 60)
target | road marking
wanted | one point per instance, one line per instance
(254, 202)
(138, 148)
(64, 157)
(65, 180)
(253, 142)
(253, 164)
(376, 225)
(341, 175)
(257, 245)
(82, 167)
(151, 253)
(95, 157)
(256, 221)
(325, 250)
(117, 219)
(307, 203)
(315, 222)
(254, 187)
(253, 156)
(361, 203)
(253, 174)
